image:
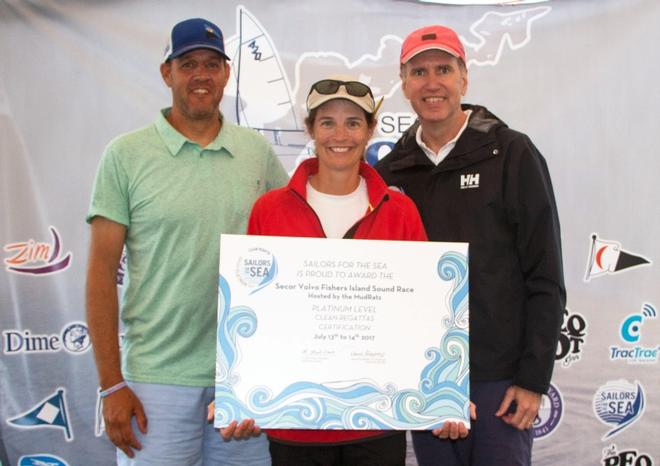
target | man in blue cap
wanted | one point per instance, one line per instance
(166, 192)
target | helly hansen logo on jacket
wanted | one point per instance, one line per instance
(470, 180)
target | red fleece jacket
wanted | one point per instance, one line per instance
(285, 212)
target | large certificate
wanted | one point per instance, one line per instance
(342, 334)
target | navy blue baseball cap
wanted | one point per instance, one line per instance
(193, 34)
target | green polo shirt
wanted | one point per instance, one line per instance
(175, 199)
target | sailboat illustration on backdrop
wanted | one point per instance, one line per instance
(260, 92)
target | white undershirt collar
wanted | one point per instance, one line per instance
(338, 213)
(438, 157)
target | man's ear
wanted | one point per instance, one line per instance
(402, 75)
(166, 73)
(227, 71)
(464, 76)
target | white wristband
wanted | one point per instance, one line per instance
(114, 388)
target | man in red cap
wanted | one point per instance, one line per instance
(475, 180)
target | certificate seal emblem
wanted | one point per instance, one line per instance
(256, 268)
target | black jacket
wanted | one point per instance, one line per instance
(493, 190)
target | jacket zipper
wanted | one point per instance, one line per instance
(351, 231)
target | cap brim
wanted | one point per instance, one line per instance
(320, 99)
(191, 47)
(406, 58)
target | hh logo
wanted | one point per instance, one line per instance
(471, 180)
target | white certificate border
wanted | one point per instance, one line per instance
(442, 393)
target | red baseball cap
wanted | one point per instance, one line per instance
(432, 38)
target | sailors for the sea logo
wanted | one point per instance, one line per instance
(256, 268)
(619, 404)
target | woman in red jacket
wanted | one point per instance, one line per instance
(337, 195)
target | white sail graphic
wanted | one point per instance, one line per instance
(259, 91)
(259, 80)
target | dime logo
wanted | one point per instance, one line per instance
(73, 338)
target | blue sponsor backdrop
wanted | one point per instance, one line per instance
(578, 76)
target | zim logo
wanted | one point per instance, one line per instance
(35, 258)
(73, 338)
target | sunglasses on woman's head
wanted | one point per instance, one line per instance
(331, 86)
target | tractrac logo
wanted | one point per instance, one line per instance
(73, 338)
(571, 339)
(550, 413)
(619, 404)
(630, 332)
(35, 258)
(256, 269)
(613, 457)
